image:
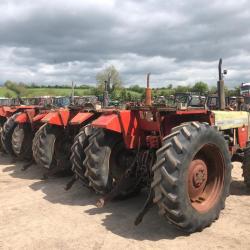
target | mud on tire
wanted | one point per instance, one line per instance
(6, 135)
(193, 160)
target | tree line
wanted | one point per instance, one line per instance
(115, 87)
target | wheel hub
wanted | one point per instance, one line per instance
(197, 178)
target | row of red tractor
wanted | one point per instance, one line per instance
(180, 154)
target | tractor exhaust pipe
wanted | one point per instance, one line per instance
(220, 87)
(148, 98)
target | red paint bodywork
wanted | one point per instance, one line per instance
(26, 116)
(242, 136)
(124, 122)
(58, 117)
(39, 117)
(81, 117)
(137, 126)
(7, 111)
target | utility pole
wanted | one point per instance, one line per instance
(72, 93)
(220, 86)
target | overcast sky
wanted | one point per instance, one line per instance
(179, 42)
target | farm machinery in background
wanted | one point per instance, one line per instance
(181, 154)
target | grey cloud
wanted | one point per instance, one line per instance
(178, 41)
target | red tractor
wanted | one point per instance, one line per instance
(5, 105)
(8, 115)
(7, 108)
(53, 141)
(181, 154)
(27, 123)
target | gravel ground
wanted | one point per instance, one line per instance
(38, 214)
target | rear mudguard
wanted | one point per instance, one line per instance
(81, 117)
(7, 111)
(2, 112)
(39, 117)
(124, 122)
(58, 117)
(26, 116)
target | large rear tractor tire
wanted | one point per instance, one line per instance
(36, 141)
(78, 155)
(6, 135)
(22, 141)
(106, 161)
(51, 148)
(246, 166)
(2, 121)
(192, 176)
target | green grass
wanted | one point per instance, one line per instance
(4, 91)
(55, 92)
(133, 93)
(31, 92)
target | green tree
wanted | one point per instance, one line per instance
(137, 88)
(182, 89)
(170, 86)
(200, 87)
(234, 92)
(114, 94)
(7, 94)
(123, 95)
(129, 97)
(213, 90)
(112, 76)
(18, 88)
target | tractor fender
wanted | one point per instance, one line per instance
(2, 112)
(58, 117)
(109, 122)
(80, 118)
(39, 117)
(26, 116)
(8, 111)
(124, 122)
(22, 118)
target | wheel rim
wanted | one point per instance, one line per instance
(205, 178)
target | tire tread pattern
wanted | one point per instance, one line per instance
(167, 181)
(6, 135)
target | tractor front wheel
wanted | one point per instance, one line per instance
(192, 176)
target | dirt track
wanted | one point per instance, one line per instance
(39, 214)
